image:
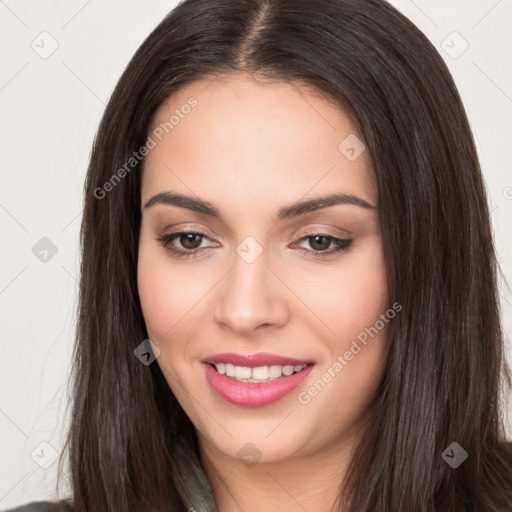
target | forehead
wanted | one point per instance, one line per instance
(232, 134)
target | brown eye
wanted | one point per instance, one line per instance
(184, 244)
(190, 240)
(324, 245)
(319, 242)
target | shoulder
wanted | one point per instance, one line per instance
(44, 506)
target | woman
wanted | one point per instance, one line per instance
(288, 288)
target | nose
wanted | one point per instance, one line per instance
(250, 298)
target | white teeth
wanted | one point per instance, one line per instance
(258, 373)
(242, 372)
(275, 371)
(287, 370)
(230, 370)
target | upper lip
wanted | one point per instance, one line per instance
(254, 360)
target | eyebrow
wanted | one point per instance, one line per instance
(294, 210)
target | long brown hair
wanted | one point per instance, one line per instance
(131, 446)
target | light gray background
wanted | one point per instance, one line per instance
(50, 110)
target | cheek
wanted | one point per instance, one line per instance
(167, 298)
(350, 302)
(350, 297)
(169, 292)
(165, 293)
(364, 297)
(158, 299)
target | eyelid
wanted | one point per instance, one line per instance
(338, 232)
(190, 229)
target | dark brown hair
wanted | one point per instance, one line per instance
(131, 446)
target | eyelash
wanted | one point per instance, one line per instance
(343, 245)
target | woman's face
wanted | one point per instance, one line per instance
(260, 276)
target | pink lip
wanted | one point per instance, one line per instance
(254, 394)
(254, 360)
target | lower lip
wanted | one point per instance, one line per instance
(254, 394)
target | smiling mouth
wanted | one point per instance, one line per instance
(258, 374)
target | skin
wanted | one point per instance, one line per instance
(249, 149)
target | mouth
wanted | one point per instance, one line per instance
(254, 384)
